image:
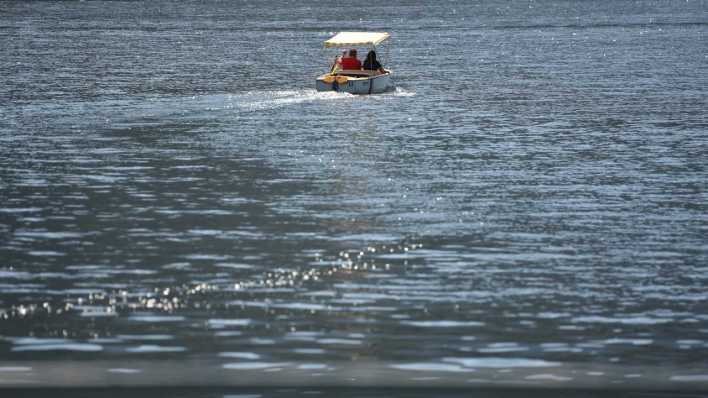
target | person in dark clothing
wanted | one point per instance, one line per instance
(372, 64)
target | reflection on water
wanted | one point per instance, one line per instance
(178, 206)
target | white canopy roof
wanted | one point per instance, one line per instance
(350, 39)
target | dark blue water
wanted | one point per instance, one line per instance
(529, 207)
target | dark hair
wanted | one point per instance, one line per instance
(371, 56)
(352, 52)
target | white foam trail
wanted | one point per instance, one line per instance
(260, 100)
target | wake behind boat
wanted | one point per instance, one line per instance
(369, 78)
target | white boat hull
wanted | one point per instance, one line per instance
(358, 85)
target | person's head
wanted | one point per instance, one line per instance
(352, 53)
(371, 56)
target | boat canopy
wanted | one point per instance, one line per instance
(350, 39)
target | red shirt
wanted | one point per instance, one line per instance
(350, 63)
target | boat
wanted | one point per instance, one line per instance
(355, 81)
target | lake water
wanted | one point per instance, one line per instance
(527, 209)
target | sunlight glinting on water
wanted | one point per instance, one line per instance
(180, 206)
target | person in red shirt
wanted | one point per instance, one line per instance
(351, 62)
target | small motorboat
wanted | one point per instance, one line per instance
(355, 81)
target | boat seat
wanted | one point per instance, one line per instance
(356, 72)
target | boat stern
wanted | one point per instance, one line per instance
(363, 83)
